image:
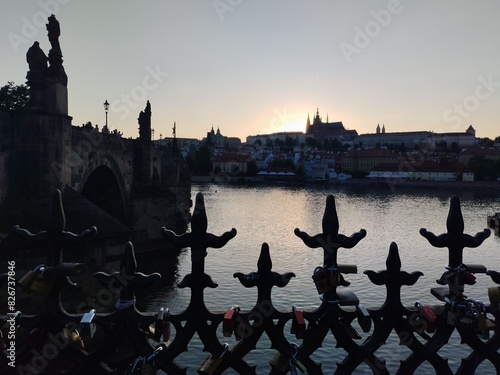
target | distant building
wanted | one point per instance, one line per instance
(264, 160)
(298, 137)
(485, 152)
(217, 140)
(461, 139)
(365, 160)
(322, 131)
(423, 139)
(315, 170)
(231, 163)
(423, 170)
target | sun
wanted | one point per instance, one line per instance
(297, 125)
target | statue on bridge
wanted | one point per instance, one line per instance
(48, 84)
(37, 62)
(56, 69)
(145, 123)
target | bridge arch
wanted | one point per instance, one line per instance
(104, 186)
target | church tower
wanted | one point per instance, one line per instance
(317, 118)
(308, 124)
(378, 129)
(383, 129)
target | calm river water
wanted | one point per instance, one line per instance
(270, 214)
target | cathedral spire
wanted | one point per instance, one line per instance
(308, 124)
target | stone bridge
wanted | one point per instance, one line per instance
(128, 185)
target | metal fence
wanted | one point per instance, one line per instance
(126, 340)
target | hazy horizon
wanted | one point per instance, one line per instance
(253, 67)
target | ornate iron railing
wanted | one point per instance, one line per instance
(129, 341)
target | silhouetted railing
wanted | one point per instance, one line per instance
(129, 341)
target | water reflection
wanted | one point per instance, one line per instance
(270, 214)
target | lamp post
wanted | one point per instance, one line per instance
(106, 108)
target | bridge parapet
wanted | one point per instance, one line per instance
(127, 340)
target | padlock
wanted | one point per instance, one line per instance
(494, 295)
(347, 268)
(294, 362)
(333, 277)
(476, 268)
(311, 336)
(440, 293)
(211, 363)
(229, 321)
(72, 336)
(430, 317)
(43, 283)
(27, 279)
(347, 298)
(30, 276)
(42, 286)
(466, 321)
(298, 324)
(322, 280)
(280, 362)
(87, 328)
(468, 278)
(467, 315)
(364, 318)
(158, 330)
(167, 329)
(482, 327)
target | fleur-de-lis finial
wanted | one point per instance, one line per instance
(330, 240)
(55, 237)
(128, 278)
(393, 277)
(264, 279)
(455, 239)
(198, 239)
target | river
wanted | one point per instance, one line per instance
(270, 214)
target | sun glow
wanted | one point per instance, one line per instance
(298, 125)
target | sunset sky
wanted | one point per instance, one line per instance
(255, 66)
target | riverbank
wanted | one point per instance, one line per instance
(488, 187)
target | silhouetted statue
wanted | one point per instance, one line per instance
(145, 123)
(56, 69)
(54, 31)
(37, 62)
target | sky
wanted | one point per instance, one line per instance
(254, 67)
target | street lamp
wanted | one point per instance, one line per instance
(106, 108)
